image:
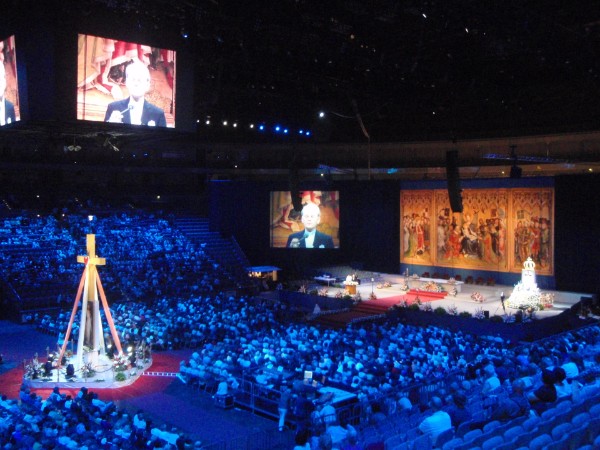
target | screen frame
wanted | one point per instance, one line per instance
(8, 57)
(286, 220)
(100, 55)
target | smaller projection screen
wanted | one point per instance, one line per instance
(125, 82)
(315, 226)
(10, 110)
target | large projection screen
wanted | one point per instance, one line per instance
(125, 82)
(10, 108)
(316, 226)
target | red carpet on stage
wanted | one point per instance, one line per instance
(410, 297)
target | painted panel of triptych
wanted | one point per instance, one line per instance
(532, 229)
(416, 238)
(497, 229)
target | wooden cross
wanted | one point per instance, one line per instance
(91, 326)
(91, 258)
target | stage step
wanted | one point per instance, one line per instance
(427, 294)
(370, 308)
(161, 374)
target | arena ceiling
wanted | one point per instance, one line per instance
(465, 74)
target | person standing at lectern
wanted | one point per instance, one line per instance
(310, 237)
(7, 109)
(135, 109)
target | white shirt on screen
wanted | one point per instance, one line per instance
(309, 238)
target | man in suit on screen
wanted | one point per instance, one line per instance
(310, 237)
(135, 109)
(7, 109)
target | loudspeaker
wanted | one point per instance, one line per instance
(453, 177)
(516, 171)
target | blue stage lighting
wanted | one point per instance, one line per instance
(285, 131)
(277, 128)
(300, 131)
(261, 128)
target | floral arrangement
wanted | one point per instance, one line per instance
(339, 294)
(121, 362)
(34, 370)
(547, 299)
(323, 292)
(453, 292)
(479, 314)
(120, 376)
(451, 280)
(452, 310)
(87, 371)
(303, 289)
(351, 283)
(525, 301)
(404, 286)
(372, 296)
(426, 307)
(478, 297)
(415, 276)
(403, 304)
(432, 286)
(387, 284)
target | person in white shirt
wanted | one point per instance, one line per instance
(438, 422)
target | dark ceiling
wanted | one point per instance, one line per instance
(395, 71)
(409, 69)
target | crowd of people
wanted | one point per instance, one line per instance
(173, 296)
(83, 422)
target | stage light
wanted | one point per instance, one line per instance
(207, 122)
(285, 131)
(277, 128)
(251, 126)
(307, 133)
(321, 114)
(300, 131)
(234, 124)
(224, 123)
(261, 128)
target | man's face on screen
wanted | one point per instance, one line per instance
(137, 81)
(311, 218)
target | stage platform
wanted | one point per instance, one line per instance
(103, 378)
(395, 294)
